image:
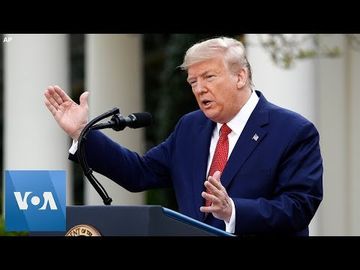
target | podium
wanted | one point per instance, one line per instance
(148, 220)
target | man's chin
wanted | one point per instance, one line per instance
(212, 116)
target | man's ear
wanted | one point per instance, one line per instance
(241, 78)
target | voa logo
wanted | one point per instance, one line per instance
(35, 201)
(48, 200)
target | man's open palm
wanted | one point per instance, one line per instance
(70, 116)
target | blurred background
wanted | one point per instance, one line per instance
(316, 75)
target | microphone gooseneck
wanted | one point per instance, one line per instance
(117, 122)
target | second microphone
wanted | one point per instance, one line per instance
(119, 122)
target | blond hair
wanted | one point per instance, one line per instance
(232, 50)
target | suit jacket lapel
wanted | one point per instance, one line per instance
(199, 163)
(252, 135)
(254, 132)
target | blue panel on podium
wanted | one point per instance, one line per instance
(195, 223)
(132, 220)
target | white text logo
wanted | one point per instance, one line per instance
(35, 200)
(7, 39)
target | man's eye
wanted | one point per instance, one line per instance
(192, 83)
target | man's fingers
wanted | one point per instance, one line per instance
(58, 99)
(211, 187)
(217, 195)
(61, 93)
(215, 180)
(216, 183)
(84, 99)
(214, 187)
(50, 107)
(214, 202)
(217, 175)
(209, 196)
(205, 209)
(50, 99)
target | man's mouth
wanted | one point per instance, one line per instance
(206, 103)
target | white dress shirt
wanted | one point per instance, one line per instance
(237, 124)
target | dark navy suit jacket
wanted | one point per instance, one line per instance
(275, 180)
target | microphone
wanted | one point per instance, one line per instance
(119, 122)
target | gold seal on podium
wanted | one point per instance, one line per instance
(83, 230)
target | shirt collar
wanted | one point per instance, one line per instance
(238, 122)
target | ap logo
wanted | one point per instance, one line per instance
(35, 201)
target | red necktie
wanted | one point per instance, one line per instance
(221, 154)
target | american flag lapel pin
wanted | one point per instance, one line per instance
(255, 137)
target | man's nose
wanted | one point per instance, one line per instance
(200, 87)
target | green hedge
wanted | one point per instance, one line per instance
(4, 233)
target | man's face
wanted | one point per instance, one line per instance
(218, 91)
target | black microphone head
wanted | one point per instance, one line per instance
(142, 119)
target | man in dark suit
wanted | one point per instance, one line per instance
(239, 163)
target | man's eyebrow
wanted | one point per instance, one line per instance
(201, 75)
